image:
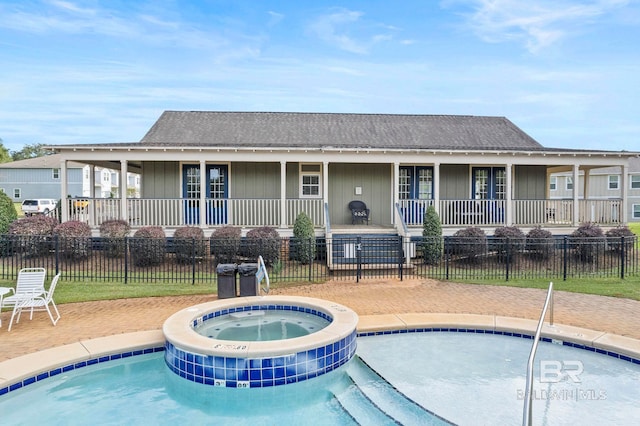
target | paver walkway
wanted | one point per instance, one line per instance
(96, 319)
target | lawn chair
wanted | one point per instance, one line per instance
(39, 302)
(30, 283)
(359, 212)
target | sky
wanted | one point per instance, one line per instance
(566, 72)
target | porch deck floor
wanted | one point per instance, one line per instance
(368, 298)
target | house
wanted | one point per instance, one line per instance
(604, 184)
(40, 177)
(252, 169)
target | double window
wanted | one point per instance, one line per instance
(415, 182)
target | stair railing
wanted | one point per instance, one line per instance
(528, 396)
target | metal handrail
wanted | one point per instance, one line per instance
(528, 396)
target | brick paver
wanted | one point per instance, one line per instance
(82, 321)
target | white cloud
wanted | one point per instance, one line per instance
(346, 30)
(536, 24)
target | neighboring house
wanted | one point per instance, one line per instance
(40, 177)
(604, 184)
(252, 169)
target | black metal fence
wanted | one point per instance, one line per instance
(349, 258)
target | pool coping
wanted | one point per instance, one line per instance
(26, 367)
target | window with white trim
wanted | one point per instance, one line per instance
(635, 182)
(553, 183)
(636, 211)
(55, 173)
(310, 180)
(17, 193)
(569, 183)
(614, 181)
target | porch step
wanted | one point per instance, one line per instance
(374, 249)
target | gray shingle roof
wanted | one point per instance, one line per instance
(349, 131)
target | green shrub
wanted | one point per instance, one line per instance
(263, 242)
(148, 246)
(188, 243)
(34, 235)
(114, 233)
(510, 240)
(74, 239)
(588, 241)
(225, 243)
(540, 243)
(431, 237)
(469, 243)
(8, 214)
(303, 245)
(615, 238)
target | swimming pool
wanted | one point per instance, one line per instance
(466, 378)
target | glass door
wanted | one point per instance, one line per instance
(216, 196)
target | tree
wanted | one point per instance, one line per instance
(5, 157)
(29, 151)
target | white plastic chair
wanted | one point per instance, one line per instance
(30, 283)
(39, 302)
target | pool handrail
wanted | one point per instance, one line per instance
(261, 274)
(528, 396)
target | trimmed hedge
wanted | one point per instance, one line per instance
(74, 239)
(470, 243)
(114, 232)
(510, 241)
(225, 243)
(148, 246)
(37, 233)
(432, 235)
(540, 243)
(303, 244)
(189, 243)
(263, 242)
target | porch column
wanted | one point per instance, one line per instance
(283, 194)
(325, 189)
(508, 193)
(624, 192)
(436, 188)
(92, 181)
(64, 201)
(576, 193)
(394, 190)
(202, 204)
(124, 212)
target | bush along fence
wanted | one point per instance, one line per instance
(157, 259)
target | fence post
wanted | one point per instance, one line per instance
(564, 258)
(193, 261)
(126, 259)
(358, 258)
(506, 260)
(622, 256)
(447, 254)
(312, 241)
(56, 245)
(400, 256)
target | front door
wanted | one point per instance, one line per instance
(414, 191)
(490, 183)
(216, 196)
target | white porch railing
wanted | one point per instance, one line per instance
(174, 212)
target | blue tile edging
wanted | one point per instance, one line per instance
(503, 333)
(75, 366)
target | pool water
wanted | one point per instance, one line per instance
(465, 378)
(261, 325)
